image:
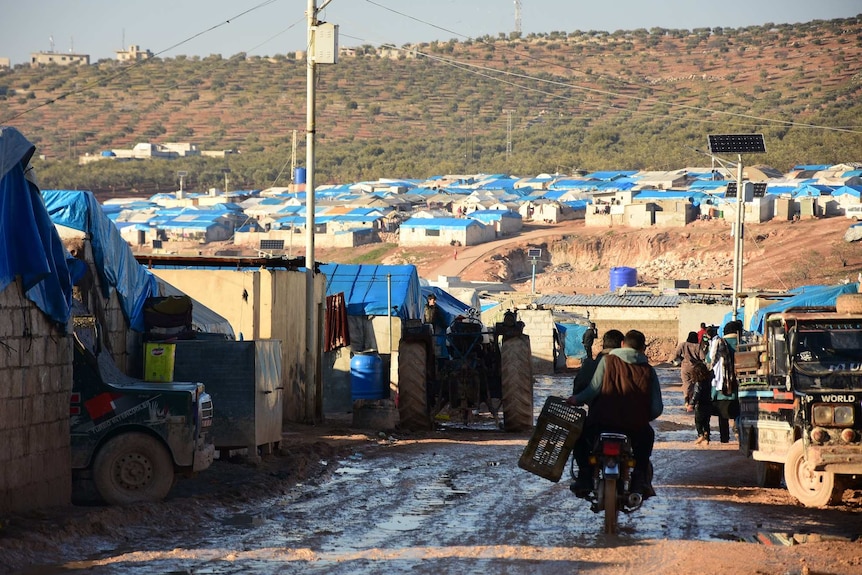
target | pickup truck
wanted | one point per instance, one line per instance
(800, 395)
(130, 437)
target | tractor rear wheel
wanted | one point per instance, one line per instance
(412, 386)
(517, 378)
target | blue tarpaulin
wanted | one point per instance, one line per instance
(30, 247)
(114, 261)
(816, 295)
(366, 287)
(572, 342)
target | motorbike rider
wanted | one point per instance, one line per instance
(624, 396)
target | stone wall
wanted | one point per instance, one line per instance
(35, 383)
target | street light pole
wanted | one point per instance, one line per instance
(737, 239)
(737, 143)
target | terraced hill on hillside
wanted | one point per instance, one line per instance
(641, 99)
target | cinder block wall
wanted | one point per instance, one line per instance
(35, 383)
(539, 325)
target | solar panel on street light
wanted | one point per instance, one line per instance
(736, 143)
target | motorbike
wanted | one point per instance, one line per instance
(613, 462)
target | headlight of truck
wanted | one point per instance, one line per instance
(834, 415)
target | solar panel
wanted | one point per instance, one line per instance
(271, 245)
(736, 143)
(731, 190)
(759, 189)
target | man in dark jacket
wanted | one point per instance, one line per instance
(624, 396)
(588, 338)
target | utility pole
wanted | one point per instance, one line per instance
(310, 306)
(322, 49)
(293, 159)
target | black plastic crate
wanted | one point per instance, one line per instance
(558, 428)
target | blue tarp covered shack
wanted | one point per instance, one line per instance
(366, 289)
(114, 260)
(29, 244)
(816, 295)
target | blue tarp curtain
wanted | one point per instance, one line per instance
(365, 288)
(572, 343)
(31, 247)
(114, 261)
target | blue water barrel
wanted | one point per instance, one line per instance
(366, 377)
(623, 276)
(299, 176)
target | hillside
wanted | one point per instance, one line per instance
(561, 101)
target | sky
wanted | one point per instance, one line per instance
(268, 27)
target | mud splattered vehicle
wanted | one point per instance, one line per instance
(800, 394)
(481, 371)
(131, 438)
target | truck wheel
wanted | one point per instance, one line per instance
(811, 488)
(412, 386)
(768, 473)
(133, 468)
(517, 377)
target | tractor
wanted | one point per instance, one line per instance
(463, 369)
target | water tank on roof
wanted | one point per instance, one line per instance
(299, 176)
(623, 276)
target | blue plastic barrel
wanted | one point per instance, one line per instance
(623, 276)
(299, 176)
(366, 377)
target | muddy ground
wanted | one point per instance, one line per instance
(341, 500)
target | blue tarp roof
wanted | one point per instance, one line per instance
(488, 216)
(855, 191)
(816, 295)
(608, 176)
(812, 167)
(30, 246)
(440, 223)
(707, 184)
(572, 185)
(365, 288)
(115, 263)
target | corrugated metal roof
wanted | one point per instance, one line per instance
(610, 300)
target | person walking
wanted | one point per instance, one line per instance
(691, 355)
(588, 338)
(725, 389)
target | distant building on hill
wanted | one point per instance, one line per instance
(133, 54)
(59, 58)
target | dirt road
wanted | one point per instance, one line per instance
(447, 502)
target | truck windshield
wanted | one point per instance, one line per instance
(829, 355)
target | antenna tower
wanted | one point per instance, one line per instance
(517, 16)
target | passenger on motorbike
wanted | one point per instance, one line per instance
(623, 397)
